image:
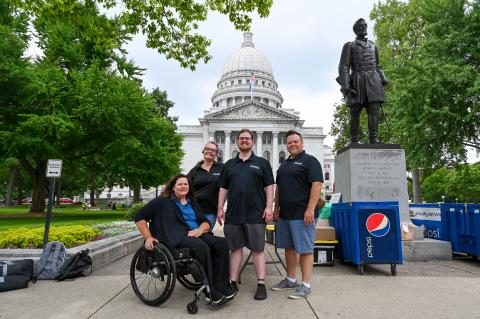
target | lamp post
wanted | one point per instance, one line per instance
(456, 199)
(443, 198)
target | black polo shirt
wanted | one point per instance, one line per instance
(205, 186)
(294, 181)
(246, 182)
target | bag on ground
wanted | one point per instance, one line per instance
(15, 274)
(53, 257)
(75, 266)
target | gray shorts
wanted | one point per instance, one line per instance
(250, 235)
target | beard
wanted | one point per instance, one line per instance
(245, 147)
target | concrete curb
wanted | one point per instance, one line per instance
(102, 251)
(426, 250)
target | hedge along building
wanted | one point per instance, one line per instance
(247, 96)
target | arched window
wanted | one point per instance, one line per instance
(266, 155)
(327, 176)
(281, 157)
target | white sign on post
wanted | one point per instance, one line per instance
(54, 168)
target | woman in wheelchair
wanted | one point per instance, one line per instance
(176, 219)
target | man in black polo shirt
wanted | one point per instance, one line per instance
(247, 180)
(299, 181)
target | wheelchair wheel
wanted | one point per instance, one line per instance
(155, 284)
(189, 282)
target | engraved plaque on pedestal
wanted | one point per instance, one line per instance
(372, 173)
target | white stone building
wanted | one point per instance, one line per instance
(234, 107)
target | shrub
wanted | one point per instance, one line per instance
(115, 228)
(33, 237)
(133, 210)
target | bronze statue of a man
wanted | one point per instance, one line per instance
(362, 81)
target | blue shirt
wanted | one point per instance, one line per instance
(188, 214)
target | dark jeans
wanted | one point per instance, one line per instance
(212, 252)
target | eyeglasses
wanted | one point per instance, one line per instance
(244, 138)
(207, 149)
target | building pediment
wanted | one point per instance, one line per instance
(254, 111)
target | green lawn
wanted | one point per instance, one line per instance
(69, 216)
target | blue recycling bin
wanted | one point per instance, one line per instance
(368, 233)
(430, 217)
(463, 222)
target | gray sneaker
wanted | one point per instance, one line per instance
(284, 285)
(300, 292)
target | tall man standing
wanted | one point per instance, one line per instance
(299, 181)
(247, 181)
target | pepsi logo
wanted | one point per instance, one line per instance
(378, 225)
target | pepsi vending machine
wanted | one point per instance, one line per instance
(369, 233)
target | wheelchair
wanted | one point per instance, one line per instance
(153, 275)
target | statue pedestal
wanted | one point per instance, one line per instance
(373, 173)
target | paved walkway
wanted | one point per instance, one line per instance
(447, 289)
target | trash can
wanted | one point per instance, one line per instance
(368, 233)
(430, 217)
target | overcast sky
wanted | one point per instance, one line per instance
(302, 40)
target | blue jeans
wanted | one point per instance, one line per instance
(295, 234)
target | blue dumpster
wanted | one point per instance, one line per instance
(369, 233)
(464, 228)
(429, 216)
(453, 223)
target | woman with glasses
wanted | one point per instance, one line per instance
(205, 176)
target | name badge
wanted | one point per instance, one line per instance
(217, 174)
(253, 166)
(297, 163)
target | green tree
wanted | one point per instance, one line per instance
(430, 51)
(169, 25)
(464, 184)
(49, 117)
(435, 186)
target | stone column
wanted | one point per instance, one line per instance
(205, 134)
(211, 135)
(227, 153)
(275, 152)
(259, 143)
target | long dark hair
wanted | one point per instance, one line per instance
(168, 189)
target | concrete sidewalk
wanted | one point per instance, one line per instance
(447, 289)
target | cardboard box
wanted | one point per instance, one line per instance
(325, 233)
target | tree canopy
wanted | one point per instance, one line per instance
(82, 100)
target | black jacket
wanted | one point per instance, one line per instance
(166, 220)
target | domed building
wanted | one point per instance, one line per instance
(247, 96)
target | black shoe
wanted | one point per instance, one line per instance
(233, 286)
(216, 297)
(229, 294)
(261, 293)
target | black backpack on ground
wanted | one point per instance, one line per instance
(15, 274)
(75, 266)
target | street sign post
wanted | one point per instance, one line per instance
(54, 170)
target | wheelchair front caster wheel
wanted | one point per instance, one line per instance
(192, 307)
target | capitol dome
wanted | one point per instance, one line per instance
(247, 58)
(234, 85)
